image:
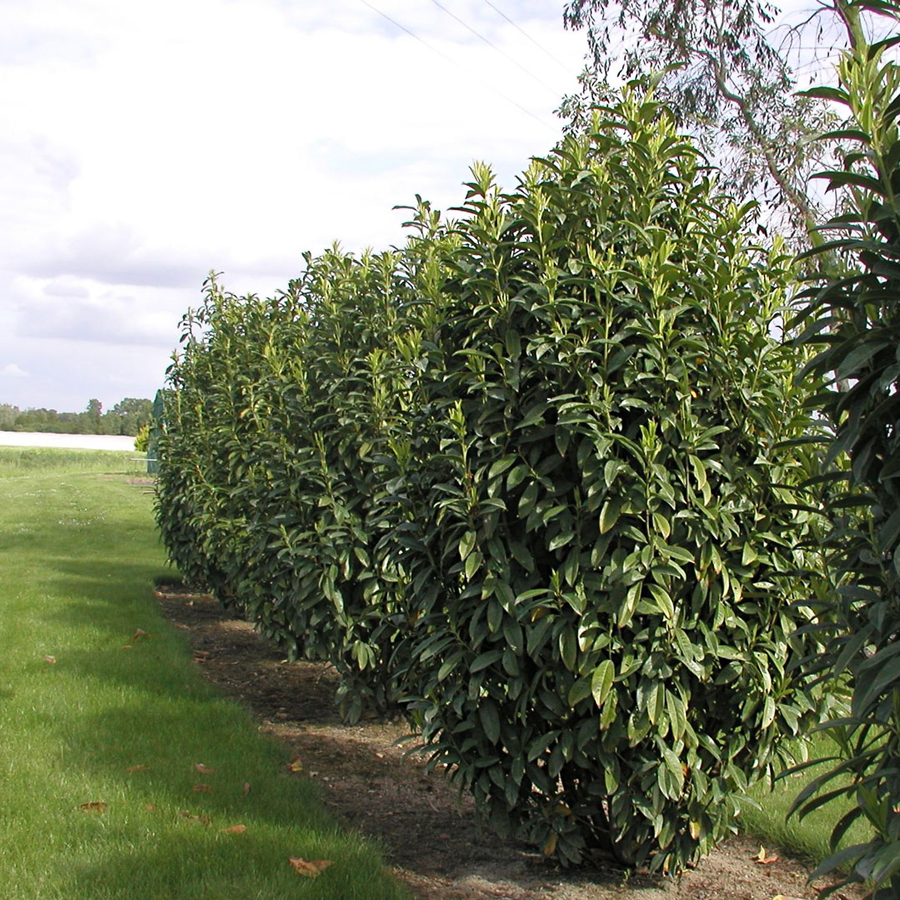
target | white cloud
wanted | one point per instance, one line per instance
(85, 310)
(11, 370)
(142, 146)
(66, 287)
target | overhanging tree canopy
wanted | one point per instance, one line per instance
(727, 74)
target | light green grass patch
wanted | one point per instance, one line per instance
(82, 704)
(809, 837)
(18, 461)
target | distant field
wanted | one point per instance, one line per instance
(67, 441)
(16, 461)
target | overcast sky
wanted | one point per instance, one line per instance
(143, 144)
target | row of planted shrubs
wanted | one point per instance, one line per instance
(533, 479)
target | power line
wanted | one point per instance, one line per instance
(521, 30)
(453, 62)
(491, 44)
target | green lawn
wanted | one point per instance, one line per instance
(82, 704)
(809, 837)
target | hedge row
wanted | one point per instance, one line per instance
(531, 477)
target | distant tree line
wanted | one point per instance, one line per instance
(127, 417)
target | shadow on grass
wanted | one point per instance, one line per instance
(105, 580)
(148, 749)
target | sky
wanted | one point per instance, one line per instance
(144, 144)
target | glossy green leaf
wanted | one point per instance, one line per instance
(602, 681)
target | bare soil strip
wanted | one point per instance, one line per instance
(427, 832)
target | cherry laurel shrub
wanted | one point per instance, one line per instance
(272, 456)
(530, 477)
(606, 559)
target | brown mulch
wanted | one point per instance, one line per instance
(427, 832)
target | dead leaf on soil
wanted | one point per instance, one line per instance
(202, 788)
(311, 868)
(234, 829)
(204, 770)
(295, 765)
(50, 659)
(138, 769)
(763, 858)
(95, 806)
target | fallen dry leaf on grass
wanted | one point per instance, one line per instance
(763, 858)
(204, 770)
(247, 787)
(50, 659)
(202, 788)
(95, 806)
(311, 868)
(138, 768)
(138, 634)
(203, 820)
(234, 829)
(295, 765)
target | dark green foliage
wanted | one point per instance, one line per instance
(273, 458)
(854, 320)
(527, 478)
(130, 414)
(606, 546)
